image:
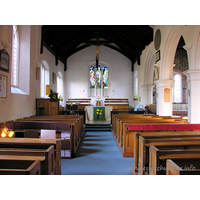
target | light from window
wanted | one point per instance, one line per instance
(177, 88)
(98, 76)
(105, 77)
(136, 83)
(15, 56)
(42, 82)
(92, 77)
(59, 84)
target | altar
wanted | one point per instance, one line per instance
(94, 113)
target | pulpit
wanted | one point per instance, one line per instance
(49, 107)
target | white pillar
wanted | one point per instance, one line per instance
(147, 94)
(150, 94)
(164, 99)
(193, 79)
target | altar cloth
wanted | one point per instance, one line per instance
(89, 112)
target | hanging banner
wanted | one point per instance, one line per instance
(98, 113)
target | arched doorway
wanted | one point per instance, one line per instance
(180, 88)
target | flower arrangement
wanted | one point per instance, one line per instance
(60, 97)
(135, 98)
(41, 107)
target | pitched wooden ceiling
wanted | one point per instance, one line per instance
(65, 40)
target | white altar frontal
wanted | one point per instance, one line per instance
(89, 113)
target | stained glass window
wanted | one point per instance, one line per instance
(92, 77)
(98, 77)
(105, 77)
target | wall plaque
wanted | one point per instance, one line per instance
(157, 56)
(166, 95)
(4, 60)
(157, 39)
(3, 86)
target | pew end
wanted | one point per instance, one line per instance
(20, 167)
(178, 167)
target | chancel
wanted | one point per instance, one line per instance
(136, 86)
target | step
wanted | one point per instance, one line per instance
(97, 126)
(97, 129)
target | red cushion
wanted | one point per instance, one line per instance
(161, 127)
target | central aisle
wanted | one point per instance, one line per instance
(98, 154)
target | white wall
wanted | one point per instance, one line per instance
(17, 106)
(77, 74)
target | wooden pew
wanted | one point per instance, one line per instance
(164, 142)
(125, 138)
(119, 124)
(158, 157)
(151, 135)
(76, 128)
(46, 156)
(81, 102)
(20, 167)
(129, 129)
(118, 120)
(178, 167)
(36, 143)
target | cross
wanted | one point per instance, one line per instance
(98, 101)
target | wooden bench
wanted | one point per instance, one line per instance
(81, 102)
(36, 143)
(46, 156)
(124, 135)
(118, 120)
(144, 145)
(158, 157)
(58, 123)
(129, 129)
(179, 167)
(20, 167)
(117, 103)
(156, 135)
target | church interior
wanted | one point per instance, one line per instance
(65, 87)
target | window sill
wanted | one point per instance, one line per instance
(15, 90)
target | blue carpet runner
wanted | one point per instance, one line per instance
(98, 154)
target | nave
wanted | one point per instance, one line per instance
(98, 154)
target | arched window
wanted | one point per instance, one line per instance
(60, 85)
(98, 76)
(136, 85)
(15, 57)
(177, 92)
(44, 79)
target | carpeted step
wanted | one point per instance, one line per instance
(97, 127)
